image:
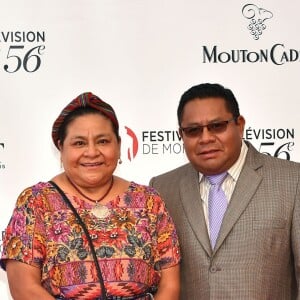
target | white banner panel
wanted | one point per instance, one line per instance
(140, 56)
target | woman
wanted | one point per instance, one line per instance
(88, 234)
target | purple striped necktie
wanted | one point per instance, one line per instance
(217, 205)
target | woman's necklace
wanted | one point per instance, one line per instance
(100, 211)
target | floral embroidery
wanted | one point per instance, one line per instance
(136, 241)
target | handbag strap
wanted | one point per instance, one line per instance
(99, 273)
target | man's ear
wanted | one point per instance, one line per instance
(180, 132)
(241, 123)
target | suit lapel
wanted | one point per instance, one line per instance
(192, 206)
(246, 186)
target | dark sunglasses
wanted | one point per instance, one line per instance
(213, 128)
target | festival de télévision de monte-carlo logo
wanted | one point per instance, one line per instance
(153, 142)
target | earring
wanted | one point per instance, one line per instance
(120, 161)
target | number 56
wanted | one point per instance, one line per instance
(280, 150)
(30, 62)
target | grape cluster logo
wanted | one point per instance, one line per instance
(257, 17)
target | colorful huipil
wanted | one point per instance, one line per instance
(132, 244)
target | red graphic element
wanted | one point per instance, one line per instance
(132, 151)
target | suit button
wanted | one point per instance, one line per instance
(215, 269)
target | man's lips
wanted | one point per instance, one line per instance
(210, 151)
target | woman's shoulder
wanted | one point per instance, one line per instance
(38, 187)
(147, 189)
(38, 190)
(35, 195)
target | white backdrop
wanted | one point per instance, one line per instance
(140, 56)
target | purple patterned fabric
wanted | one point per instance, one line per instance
(217, 205)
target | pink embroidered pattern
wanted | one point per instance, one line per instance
(133, 244)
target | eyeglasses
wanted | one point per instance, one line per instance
(213, 128)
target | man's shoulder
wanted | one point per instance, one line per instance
(175, 173)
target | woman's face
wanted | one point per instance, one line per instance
(90, 151)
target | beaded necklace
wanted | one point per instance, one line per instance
(100, 211)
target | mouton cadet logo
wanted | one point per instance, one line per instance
(257, 16)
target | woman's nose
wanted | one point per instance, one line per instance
(92, 150)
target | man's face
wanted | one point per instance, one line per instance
(211, 153)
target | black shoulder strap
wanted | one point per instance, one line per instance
(99, 273)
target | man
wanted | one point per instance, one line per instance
(256, 252)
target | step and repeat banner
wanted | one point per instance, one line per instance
(140, 56)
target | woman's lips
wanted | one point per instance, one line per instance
(91, 164)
